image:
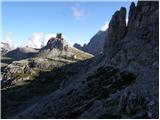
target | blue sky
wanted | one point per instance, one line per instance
(78, 21)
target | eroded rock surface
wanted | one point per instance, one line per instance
(135, 47)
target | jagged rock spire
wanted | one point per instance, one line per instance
(117, 29)
(59, 35)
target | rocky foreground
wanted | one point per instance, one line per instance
(120, 83)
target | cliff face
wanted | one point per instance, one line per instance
(116, 31)
(138, 42)
(95, 45)
(135, 47)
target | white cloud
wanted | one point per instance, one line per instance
(35, 40)
(78, 13)
(105, 27)
(7, 38)
(39, 39)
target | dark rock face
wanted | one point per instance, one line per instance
(135, 47)
(116, 30)
(95, 46)
(131, 103)
(59, 35)
(139, 39)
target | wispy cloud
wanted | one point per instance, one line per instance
(35, 40)
(78, 12)
(39, 39)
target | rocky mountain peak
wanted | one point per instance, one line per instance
(59, 35)
(57, 42)
(117, 29)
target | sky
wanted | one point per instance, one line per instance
(33, 23)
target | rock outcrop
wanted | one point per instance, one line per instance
(57, 42)
(59, 47)
(138, 40)
(135, 47)
(116, 31)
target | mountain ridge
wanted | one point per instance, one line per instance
(95, 45)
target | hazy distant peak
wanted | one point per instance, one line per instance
(5, 47)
